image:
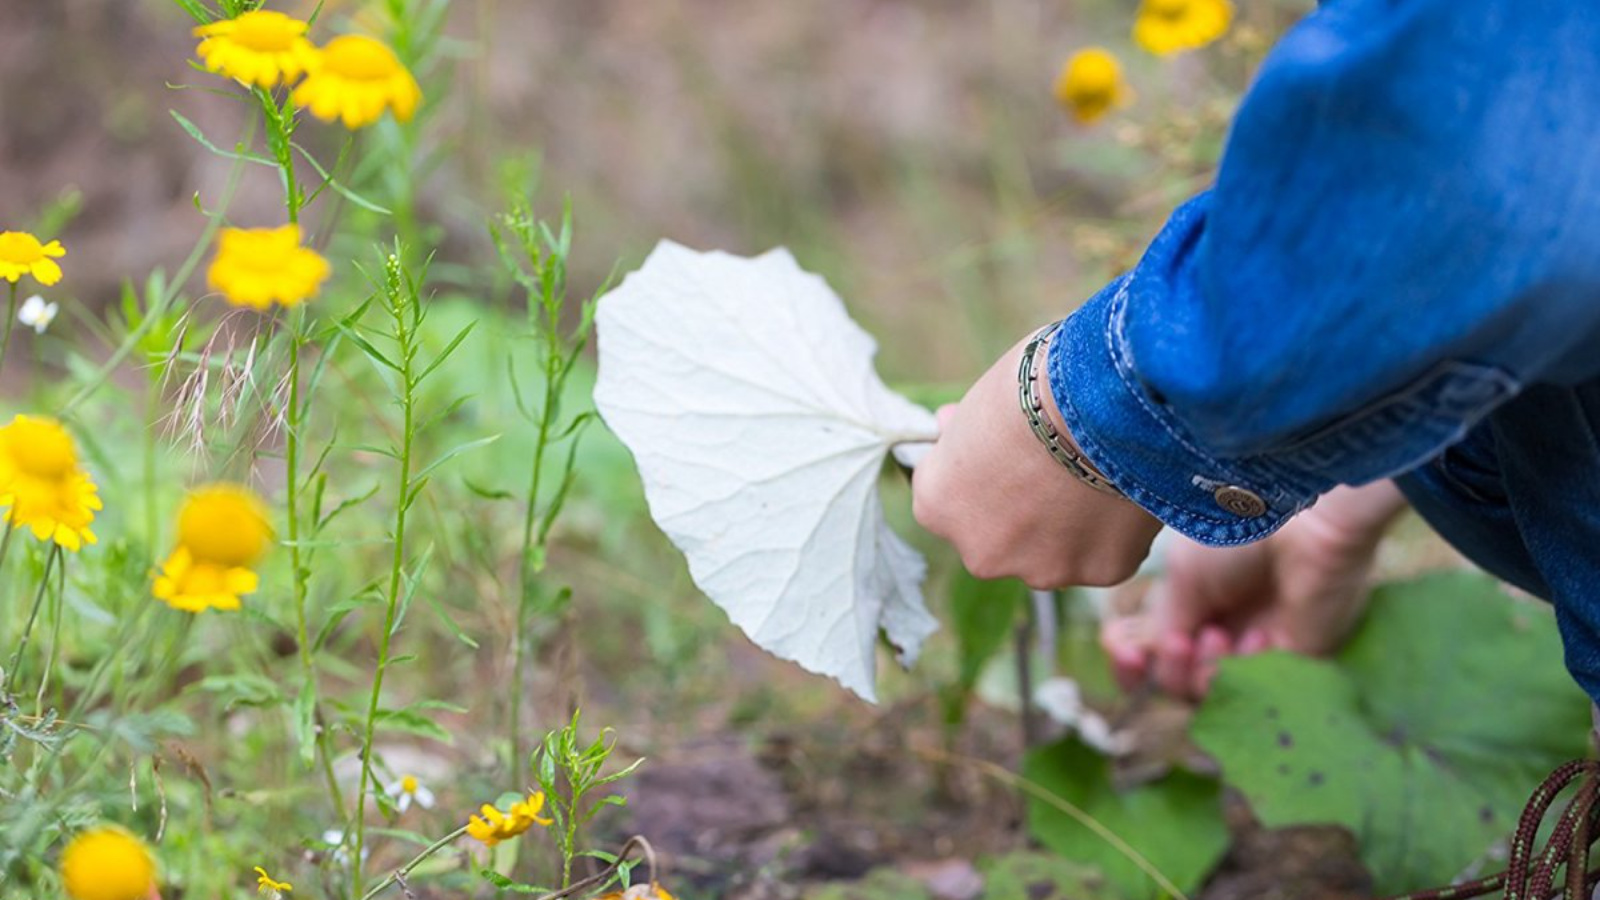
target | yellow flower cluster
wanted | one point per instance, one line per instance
(495, 826)
(42, 486)
(107, 863)
(353, 80)
(257, 267)
(222, 533)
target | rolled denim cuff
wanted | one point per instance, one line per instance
(1143, 448)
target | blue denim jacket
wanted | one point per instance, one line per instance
(1397, 273)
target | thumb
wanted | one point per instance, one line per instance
(943, 415)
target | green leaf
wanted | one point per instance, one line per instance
(444, 354)
(242, 689)
(338, 188)
(1424, 736)
(982, 613)
(1175, 823)
(195, 132)
(413, 722)
(454, 452)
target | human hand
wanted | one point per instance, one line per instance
(1300, 589)
(993, 491)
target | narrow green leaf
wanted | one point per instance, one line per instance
(445, 353)
(194, 132)
(457, 450)
(338, 188)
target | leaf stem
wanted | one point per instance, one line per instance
(405, 870)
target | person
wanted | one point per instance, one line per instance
(1391, 294)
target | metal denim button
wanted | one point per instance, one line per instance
(1242, 503)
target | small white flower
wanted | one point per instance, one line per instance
(408, 790)
(334, 838)
(37, 314)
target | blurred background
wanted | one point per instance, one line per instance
(909, 149)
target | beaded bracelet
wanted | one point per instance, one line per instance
(1033, 407)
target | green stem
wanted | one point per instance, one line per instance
(403, 340)
(33, 615)
(5, 540)
(300, 573)
(526, 569)
(11, 319)
(405, 870)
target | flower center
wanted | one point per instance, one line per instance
(266, 31)
(40, 449)
(1171, 10)
(223, 526)
(408, 784)
(358, 58)
(20, 248)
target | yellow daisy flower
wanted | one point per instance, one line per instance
(355, 80)
(22, 254)
(107, 863)
(1091, 85)
(41, 485)
(222, 533)
(259, 47)
(265, 883)
(496, 826)
(257, 267)
(1168, 26)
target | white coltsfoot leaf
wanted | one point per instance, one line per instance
(749, 401)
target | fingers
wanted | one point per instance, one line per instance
(1213, 645)
(1126, 641)
(943, 414)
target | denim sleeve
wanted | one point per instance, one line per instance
(1404, 231)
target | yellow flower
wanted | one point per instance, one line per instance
(356, 78)
(107, 863)
(259, 47)
(257, 267)
(1090, 85)
(496, 826)
(222, 532)
(651, 891)
(42, 485)
(1168, 26)
(22, 254)
(265, 883)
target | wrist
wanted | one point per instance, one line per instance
(1050, 412)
